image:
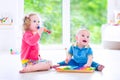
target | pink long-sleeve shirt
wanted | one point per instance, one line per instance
(30, 47)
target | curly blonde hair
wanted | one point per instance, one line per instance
(26, 23)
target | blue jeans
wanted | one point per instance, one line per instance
(73, 63)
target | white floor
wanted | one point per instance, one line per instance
(10, 65)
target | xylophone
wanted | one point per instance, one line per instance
(75, 69)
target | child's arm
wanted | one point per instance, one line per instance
(69, 54)
(32, 39)
(68, 58)
(89, 62)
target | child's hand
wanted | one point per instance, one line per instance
(41, 30)
(86, 65)
(67, 60)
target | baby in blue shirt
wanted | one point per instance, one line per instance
(80, 54)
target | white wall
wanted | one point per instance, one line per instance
(113, 5)
(9, 34)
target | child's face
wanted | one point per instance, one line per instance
(82, 37)
(34, 22)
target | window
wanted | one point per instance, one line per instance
(90, 14)
(51, 13)
(65, 17)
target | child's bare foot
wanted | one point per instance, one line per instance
(22, 71)
(42, 66)
(26, 69)
(100, 67)
(54, 66)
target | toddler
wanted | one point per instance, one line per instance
(31, 60)
(80, 54)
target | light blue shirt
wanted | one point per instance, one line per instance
(80, 55)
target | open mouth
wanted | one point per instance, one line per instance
(84, 41)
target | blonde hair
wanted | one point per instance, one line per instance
(26, 23)
(82, 29)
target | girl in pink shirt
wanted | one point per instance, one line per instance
(31, 60)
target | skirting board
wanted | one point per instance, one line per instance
(111, 45)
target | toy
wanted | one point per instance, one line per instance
(6, 20)
(75, 69)
(45, 30)
(2, 20)
(13, 52)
